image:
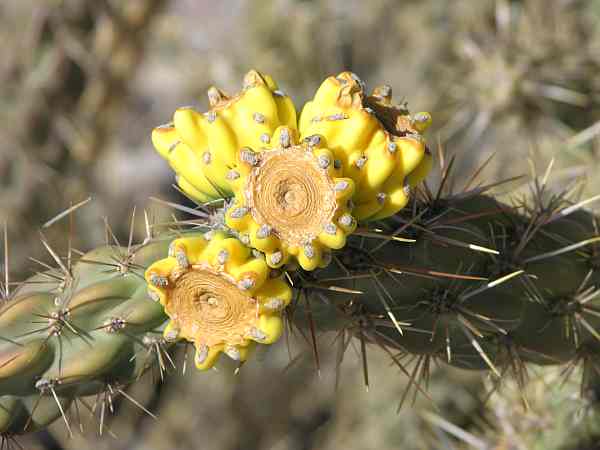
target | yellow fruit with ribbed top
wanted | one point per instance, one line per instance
(291, 201)
(298, 192)
(202, 147)
(218, 296)
(379, 145)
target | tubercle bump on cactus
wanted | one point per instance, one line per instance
(86, 327)
(449, 276)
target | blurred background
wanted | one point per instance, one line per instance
(83, 82)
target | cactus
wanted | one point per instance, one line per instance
(483, 286)
(505, 73)
(445, 275)
(554, 417)
(76, 331)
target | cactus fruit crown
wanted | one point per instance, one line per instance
(328, 209)
(218, 296)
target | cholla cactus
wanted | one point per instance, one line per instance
(78, 330)
(63, 88)
(547, 412)
(451, 276)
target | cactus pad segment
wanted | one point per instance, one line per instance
(63, 338)
(218, 297)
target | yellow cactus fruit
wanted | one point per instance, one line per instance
(291, 201)
(218, 297)
(379, 145)
(202, 147)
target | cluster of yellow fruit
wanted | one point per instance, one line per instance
(294, 190)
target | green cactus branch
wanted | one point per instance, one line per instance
(456, 277)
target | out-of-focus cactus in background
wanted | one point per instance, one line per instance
(518, 70)
(65, 82)
(83, 84)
